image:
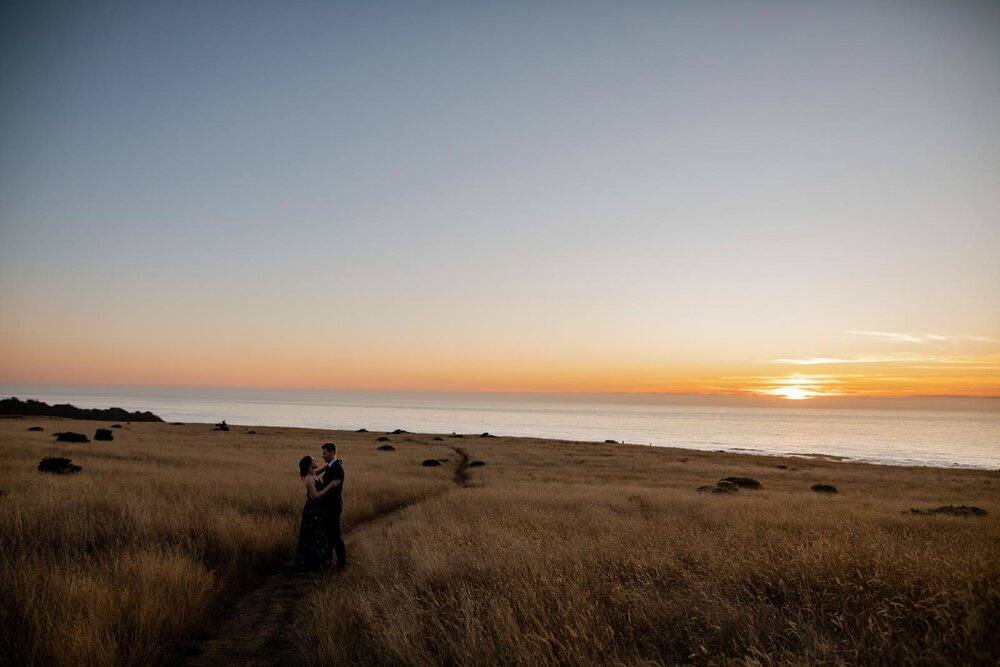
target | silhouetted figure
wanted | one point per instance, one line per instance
(314, 544)
(333, 505)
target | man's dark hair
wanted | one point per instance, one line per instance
(329, 446)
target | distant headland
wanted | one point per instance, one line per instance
(14, 406)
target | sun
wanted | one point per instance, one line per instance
(795, 393)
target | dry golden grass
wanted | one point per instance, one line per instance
(556, 553)
(595, 554)
(115, 565)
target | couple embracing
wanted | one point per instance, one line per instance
(319, 534)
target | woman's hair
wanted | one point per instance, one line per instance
(304, 464)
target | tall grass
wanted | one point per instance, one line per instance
(114, 565)
(572, 555)
(556, 553)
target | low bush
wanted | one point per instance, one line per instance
(58, 465)
(743, 482)
(953, 510)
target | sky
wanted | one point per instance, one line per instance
(793, 199)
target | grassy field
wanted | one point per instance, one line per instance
(550, 553)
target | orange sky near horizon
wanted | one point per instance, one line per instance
(896, 365)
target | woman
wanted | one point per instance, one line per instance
(312, 548)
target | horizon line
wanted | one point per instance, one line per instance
(539, 392)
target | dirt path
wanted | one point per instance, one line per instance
(254, 631)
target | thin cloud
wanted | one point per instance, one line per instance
(818, 361)
(793, 379)
(922, 339)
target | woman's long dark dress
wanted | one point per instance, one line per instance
(311, 552)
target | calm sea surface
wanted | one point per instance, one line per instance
(966, 439)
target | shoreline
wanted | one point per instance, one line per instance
(736, 451)
(900, 438)
(817, 457)
(806, 456)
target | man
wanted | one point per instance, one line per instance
(332, 502)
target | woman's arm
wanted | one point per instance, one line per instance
(311, 487)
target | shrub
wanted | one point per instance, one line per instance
(103, 434)
(58, 465)
(36, 428)
(953, 510)
(382, 438)
(476, 464)
(69, 436)
(221, 426)
(824, 488)
(431, 462)
(743, 482)
(386, 448)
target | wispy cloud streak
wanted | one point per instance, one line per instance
(922, 339)
(818, 361)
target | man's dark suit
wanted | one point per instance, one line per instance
(333, 506)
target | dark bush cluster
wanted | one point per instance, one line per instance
(58, 465)
(103, 434)
(824, 488)
(386, 448)
(731, 485)
(744, 482)
(431, 462)
(952, 510)
(70, 436)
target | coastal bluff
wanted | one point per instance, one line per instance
(14, 407)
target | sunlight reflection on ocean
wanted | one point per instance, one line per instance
(966, 439)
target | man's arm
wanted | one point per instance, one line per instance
(330, 477)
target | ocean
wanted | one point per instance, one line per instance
(897, 437)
